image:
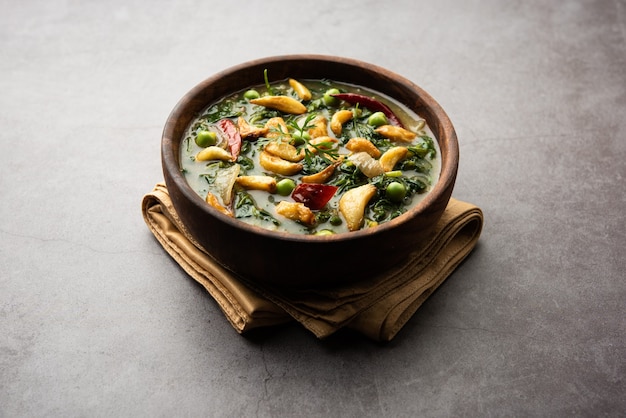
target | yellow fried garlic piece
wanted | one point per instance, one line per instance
(284, 150)
(338, 119)
(396, 133)
(352, 205)
(257, 182)
(300, 89)
(278, 165)
(212, 200)
(368, 165)
(320, 127)
(214, 153)
(363, 145)
(325, 143)
(296, 211)
(277, 128)
(248, 131)
(321, 176)
(391, 157)
(284, 104)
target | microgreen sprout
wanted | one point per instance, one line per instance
(267, 82)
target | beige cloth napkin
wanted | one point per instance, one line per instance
(377, 307)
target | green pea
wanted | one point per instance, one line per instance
(329, 100)
(251, 94)
(324, 232)
(395, 191)
(299, 138)
(206, 138)
(377, 119)
(285, 187)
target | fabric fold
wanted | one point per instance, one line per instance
(378, 307)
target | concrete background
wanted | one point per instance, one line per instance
(96, 319)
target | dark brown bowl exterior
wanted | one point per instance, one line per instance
(291, 260)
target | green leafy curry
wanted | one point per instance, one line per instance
(310, 157)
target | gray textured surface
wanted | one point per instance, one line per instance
(96, 320)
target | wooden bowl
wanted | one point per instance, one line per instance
(293, 260)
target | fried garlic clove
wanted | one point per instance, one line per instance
(352, 205)
(396, 133)
(278, 165)
(338, 119)
(363, 145)
(284, 150)
(257, 182)
(296, 211)
(301, 90)
(284, 104)
(214, 153)
(391, 157)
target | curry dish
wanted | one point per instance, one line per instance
(310, 156)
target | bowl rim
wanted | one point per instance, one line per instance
(170, 161)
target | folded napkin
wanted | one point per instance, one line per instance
(377, 306)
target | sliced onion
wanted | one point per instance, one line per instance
(368, 165)
(224, 182)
